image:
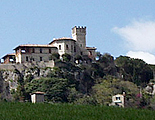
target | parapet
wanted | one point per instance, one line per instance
(79, 29)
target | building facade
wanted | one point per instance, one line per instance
(65, 45)
(118, 100)
(9, 58)
(28, 53)
(73, 46)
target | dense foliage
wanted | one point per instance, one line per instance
(86, 82)
(134, 70)
(106, 88)
(55, 88)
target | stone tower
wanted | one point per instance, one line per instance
(79, 34)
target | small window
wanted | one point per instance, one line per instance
(49, 50)
(81, 53)
(71, 47)
(80, 45)
(41, 58)
(59, 47)
(90, 52)
(27, 59)
(67, 47)
(33, 50)
(41, 50)
(27, 50)
(117, 98)
(74, 49)
(23, 51)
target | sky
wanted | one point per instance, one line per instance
(117, 27)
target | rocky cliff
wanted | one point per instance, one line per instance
(11, 74)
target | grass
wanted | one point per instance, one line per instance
(29, 111)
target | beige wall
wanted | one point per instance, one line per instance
(120, 101)
(37, 98)
(70, 50)
(22, 57)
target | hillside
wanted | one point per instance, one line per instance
(80, 82)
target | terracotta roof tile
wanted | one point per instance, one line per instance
(10, 54)
(34, 45)
(63, 38)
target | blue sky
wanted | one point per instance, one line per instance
(118, 27)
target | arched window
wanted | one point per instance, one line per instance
(59, 47)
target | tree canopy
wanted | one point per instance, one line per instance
(134, 70)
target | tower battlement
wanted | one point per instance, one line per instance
(79, 30)
(79, 34)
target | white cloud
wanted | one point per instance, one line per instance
(139, 36)
(147, 57)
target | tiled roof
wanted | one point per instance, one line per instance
(38, 93)
(34, 45)
(63, 38)
(11, 54)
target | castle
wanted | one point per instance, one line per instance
(34, 52)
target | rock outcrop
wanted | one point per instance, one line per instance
(11, 74)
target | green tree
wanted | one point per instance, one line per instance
(56, 89)
(78, 58)
(109, 86)
(55, 56)
(98, 55)
(134, 70)
(66, 57)
(106, 65)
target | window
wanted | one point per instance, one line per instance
(81, 53)
(67, 47)
(27, 59)
(49, 50)
(41, 50)
(33, 50)
(59, 47)
(71, 47)
(41, 58)
(80, 45)
(23, 51)
(90, 52)
(117, 98)
(27, 50)
(74, 49)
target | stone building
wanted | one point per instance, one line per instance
(65, 45)
(37, 97)
(73, 46)
(118, 100)
(79, 35)
(28, 53)
(9, 58)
